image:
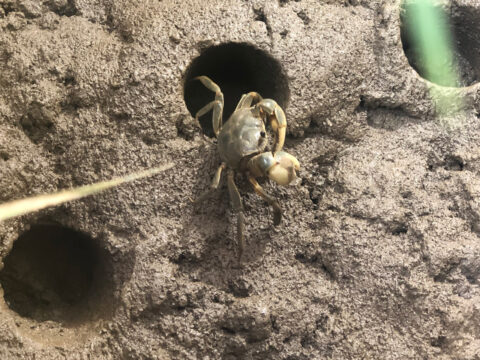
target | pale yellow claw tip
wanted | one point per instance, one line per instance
(283, 157)
(296, 163)
(281, 175)
(283, 172)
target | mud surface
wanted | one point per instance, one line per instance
(378, 254)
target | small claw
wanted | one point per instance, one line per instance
(277, 120)
(280, 127)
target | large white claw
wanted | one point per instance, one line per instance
(283, 171)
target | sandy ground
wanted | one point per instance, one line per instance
(378, 253)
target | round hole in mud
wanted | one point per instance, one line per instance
(59, 274)
(456, 56)
(237, 68)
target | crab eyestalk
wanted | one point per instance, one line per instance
(279, 167)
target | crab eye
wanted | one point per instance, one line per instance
(262, 134)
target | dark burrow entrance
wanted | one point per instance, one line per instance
(56, 273)
(237, 68)
(462, 26)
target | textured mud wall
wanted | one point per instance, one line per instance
(378, 254)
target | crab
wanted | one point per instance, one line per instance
(242, 145)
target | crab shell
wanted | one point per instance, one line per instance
(242, 135)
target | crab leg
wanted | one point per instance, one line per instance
(214, 184)
(277, 211)
(238, 207)
(217, 104)
(247, 99)
(278, 121)
(217, 107)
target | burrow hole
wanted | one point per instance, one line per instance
(462, 23)
(59, 274)
(237, 68)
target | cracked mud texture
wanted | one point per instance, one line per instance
(378, 254)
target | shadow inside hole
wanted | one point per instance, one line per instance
(55, 273)
(466, 21)
(463, 24)
(237, 68)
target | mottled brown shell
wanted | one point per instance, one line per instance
(242, 135)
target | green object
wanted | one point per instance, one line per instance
(431, 39)
(429, 32)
